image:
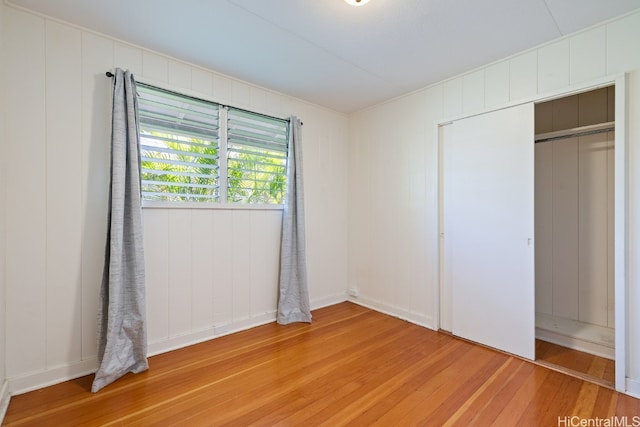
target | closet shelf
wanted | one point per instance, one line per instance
(574, 132)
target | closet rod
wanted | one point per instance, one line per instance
(575, 132)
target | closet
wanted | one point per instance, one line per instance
(487, 229)
(527, 233)
(574, 222)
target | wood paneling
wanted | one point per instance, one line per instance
(202, 271)
(610, 229)
(201, 82)
(155, 67)
(593, 231)
(179, 75)
(473, 92)
(180, 272)
(588, 55)
(97, 56)
(553, 66)
(544, 227)
(523, 76)
(156, 244)
(55, 206)
(26, 192)
(128, 57)
(544, 117)
(622, 44)
(565, 113)
(496, 82)
(593, 106)
(453, 97)
(565, 228)
(63, 193)
(351, 366)
(3, 227)
(223, 283)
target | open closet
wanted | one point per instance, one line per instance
(532, 202)
(574, 232)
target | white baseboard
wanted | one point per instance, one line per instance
(401, 313)
(592, 339)
(329, 300)
(36, 380)
(5, 398)
(220, 330)
(216, 331)
(633, 388)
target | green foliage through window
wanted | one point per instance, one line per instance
(183, 157)
(256, 157)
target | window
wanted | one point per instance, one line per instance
(199, 151)
(256, 157)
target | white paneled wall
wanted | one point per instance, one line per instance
(523, 75)
(411, 235)
(553, 66)
(391, 206)
(26, 244)
(209, 271)
(4, 391)
(63, 185)
(371, 193)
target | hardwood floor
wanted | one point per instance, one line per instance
(351, 366)
(577, 363)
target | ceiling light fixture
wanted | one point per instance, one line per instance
(357, 2)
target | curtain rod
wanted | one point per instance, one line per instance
(110, 74)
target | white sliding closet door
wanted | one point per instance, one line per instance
(488, 196)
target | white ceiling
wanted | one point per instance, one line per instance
(324, 51)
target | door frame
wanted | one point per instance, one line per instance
(621, 255)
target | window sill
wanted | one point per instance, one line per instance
(213, 206)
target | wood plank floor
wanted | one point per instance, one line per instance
(583, 365)
(352, 366)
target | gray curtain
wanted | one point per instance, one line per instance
(122, 336)
(293, 301)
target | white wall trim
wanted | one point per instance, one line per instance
(633, 388)
(328, 301)
(575, 343)
(220, 330)
(5, 398)
(227, 328)
(36, 380)
(620, 236)
(541, 97)
(401, 313)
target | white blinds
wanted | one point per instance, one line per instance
(184, 159)
(256, 157)
(180, 145)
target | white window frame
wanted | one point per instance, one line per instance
(222, 202)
